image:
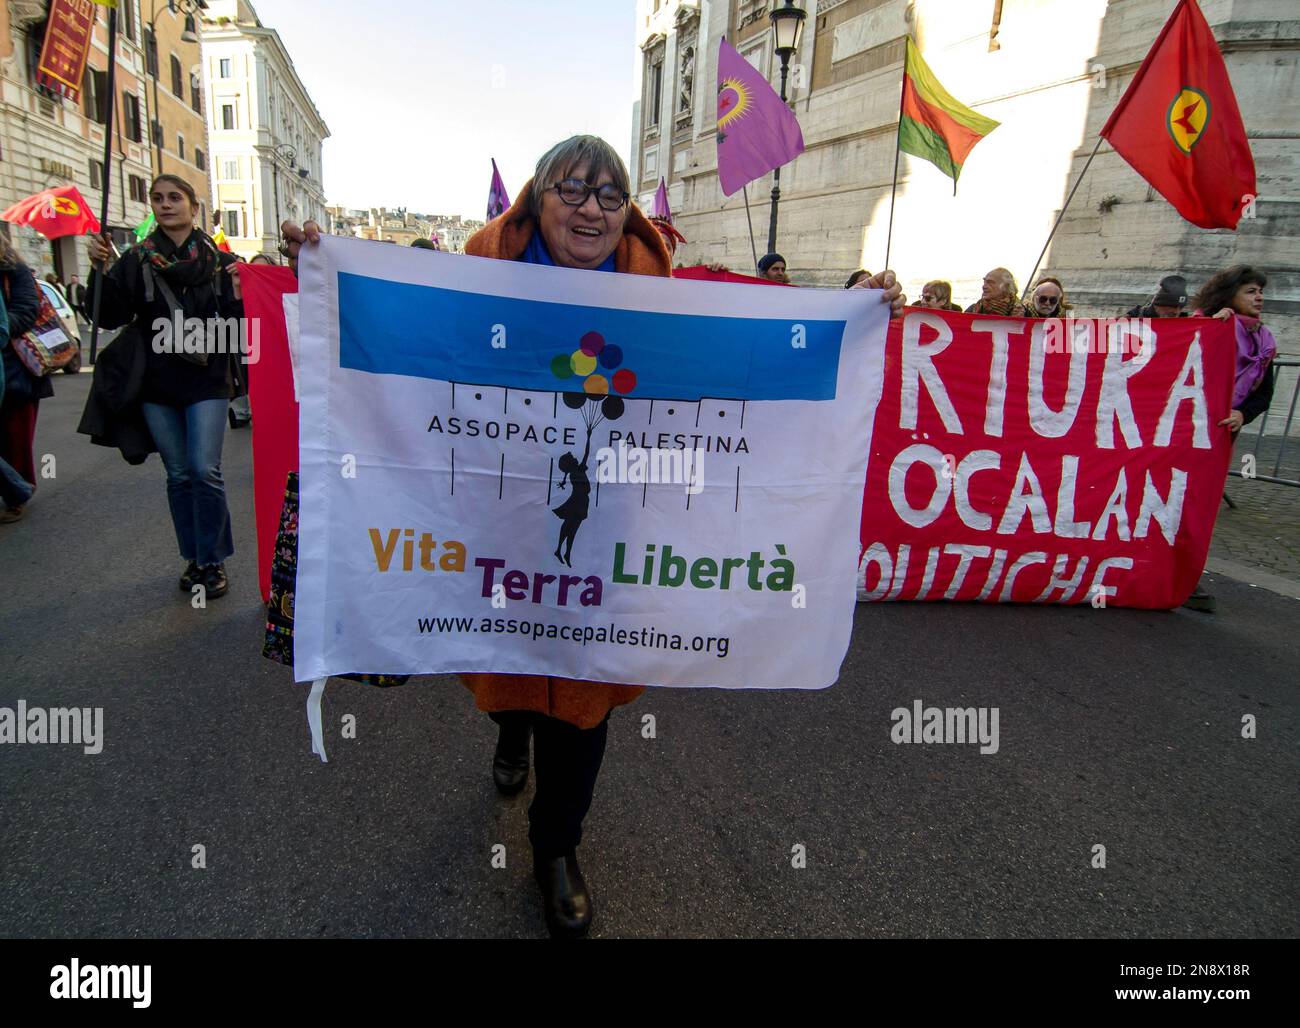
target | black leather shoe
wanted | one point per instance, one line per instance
(190, 576)
(510, 762)
(564, 896)
(214, 581)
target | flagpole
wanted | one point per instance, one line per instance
(1029, 281)
(893, 191)
(753, 248)
(107, 174)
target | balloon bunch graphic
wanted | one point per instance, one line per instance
(596, 364)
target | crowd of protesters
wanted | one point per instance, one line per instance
(574, 213)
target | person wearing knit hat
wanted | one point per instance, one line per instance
(671, 236)
(772, 268)
(1170, 300)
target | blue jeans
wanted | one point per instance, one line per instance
(14, 490)
(189, 440)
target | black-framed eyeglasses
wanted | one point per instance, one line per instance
(574, 192)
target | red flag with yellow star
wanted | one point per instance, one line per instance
(1178, 125)
(61, 211)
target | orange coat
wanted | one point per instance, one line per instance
(641, 251)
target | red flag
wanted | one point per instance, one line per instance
(61, 211)
(1178, 125)
(275, 409)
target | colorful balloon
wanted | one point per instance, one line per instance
(561, 366)
(611, 356)
(596, 385)
(583, 363)
(592, 343)
(624, 380)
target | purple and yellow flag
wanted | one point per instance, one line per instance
(498, 199)
(756, 130)
(661, 208)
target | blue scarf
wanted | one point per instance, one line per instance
(536, 253)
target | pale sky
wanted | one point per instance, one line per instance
(419, 95)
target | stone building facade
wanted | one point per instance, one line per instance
(47, 140)
(178, 117)
(402, 226)
(266, 133)
(1050, 71)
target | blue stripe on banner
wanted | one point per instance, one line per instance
(397, 328)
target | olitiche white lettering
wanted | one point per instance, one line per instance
(998, 566)
(214, 335)
(111, 981)
(80, 726)
(955, 725)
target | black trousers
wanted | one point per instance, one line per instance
(566, 761)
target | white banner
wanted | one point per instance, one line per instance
(531, 470)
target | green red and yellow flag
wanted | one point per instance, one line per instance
(933, 125)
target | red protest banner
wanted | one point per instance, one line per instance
(67, 42)
(701, 273)
(272, 401)
(1058, 461)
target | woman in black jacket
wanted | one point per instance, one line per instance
(23, 391)
(176, 277)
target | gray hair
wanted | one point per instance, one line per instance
(560, 160)
(1008, 281)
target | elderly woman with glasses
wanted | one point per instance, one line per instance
(937, 295)
(575, 212)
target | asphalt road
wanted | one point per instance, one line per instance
(1118, 728)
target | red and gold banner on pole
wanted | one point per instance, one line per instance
(1040, 461)
(67, 43)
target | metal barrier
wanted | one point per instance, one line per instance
(1278, 446)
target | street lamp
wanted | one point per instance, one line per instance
(186, 7)
(286, 152)
(787, 29)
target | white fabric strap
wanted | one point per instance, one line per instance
(314, 719)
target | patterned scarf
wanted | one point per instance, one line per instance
(192, 262)
(1256, 349)
(1003, 306)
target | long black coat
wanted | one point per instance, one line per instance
(112, 416)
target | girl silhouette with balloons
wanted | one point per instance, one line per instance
(596, 405)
